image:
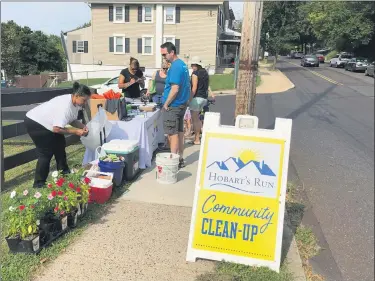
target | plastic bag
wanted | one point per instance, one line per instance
(95, 126)
(99, 152)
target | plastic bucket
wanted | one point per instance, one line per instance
(117, 168)
(167, 167)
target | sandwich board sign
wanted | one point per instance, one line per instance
(239, 200)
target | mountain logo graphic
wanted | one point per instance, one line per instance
(235, 164)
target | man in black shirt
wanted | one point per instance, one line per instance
(130, 79)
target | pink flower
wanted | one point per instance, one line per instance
(25, 192)
(78, 189)
(37, 195)
(56, 209)
(62, 212)
(71, 185)
(65, 198)
(49, 185)
(87, 180)
(60, 193)
(50, 197)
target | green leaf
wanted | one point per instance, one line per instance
(30, 229)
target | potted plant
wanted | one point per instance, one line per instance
(22, 218)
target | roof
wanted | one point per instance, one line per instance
(206, 2)
(78, 28)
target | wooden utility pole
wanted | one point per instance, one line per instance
(249, 55)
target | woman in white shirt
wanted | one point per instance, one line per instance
(46, 125)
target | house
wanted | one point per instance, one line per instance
(119, 31)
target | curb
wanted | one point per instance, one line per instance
(293, 258)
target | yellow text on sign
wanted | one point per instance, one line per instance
(236, 224)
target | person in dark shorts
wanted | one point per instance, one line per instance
(175, 98)
(130, 79)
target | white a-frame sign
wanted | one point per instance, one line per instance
(239, 201)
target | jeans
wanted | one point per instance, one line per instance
(47, 144)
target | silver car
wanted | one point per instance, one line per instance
(310, 60)
(369, 71)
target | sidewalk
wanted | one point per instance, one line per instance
(143, 237)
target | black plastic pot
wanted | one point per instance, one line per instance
(28, 245)
(72, 219)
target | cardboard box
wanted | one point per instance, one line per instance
(94, 109)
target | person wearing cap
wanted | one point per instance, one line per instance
(198, 95)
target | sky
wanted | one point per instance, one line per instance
(54, 17)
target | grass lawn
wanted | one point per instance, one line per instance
(87, 82)
(236, 272)
(225, 82)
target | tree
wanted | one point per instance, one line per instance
(343, 26)
(27, 52)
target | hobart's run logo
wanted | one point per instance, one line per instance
(246, 173)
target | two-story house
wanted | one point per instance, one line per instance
(122, 30)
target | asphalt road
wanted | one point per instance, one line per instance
(332, 151)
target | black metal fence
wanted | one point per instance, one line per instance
(16, 97)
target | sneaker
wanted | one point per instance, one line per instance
(181, 164)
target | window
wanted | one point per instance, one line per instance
(169, 14)
(169, 38)
(119, 44)
(80, 47)
(147, 14)
(147, 45)
(119, 13)
(113, 81)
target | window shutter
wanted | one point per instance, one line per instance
(127, 45)
(110, 13)
(74, 46)
(85, 46)
(139, 45)
(177, 44)
(126, 13)
(139, 13)
(111, 47)
(178, 14)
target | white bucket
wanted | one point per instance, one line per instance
(167, 167)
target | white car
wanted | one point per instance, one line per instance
(340, 60)
(113, 84)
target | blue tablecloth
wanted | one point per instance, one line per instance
(147, 130)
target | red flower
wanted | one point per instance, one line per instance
(22, 207)
(78, 189)
(71, 185)
(50, 185)
(60, 193)
(65, 198)
(87, 180)
(53, 193)
(56, 209)
(62, 212)
(60, 182)
(32, 206)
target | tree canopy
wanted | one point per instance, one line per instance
(339, 25)
(25, 52)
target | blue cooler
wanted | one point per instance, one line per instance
(129, 149)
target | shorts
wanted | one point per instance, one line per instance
(173, 120)
(157, 98)
(187, 115)
(197, 104)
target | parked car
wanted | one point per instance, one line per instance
(298, 55)
(320, 57)
(113, 84)
(369, 71)
(4, 84)
(356, 64)
(309, 60)
(340, 60)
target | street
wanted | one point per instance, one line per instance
(332, 151)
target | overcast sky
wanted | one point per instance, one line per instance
(53, 17)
